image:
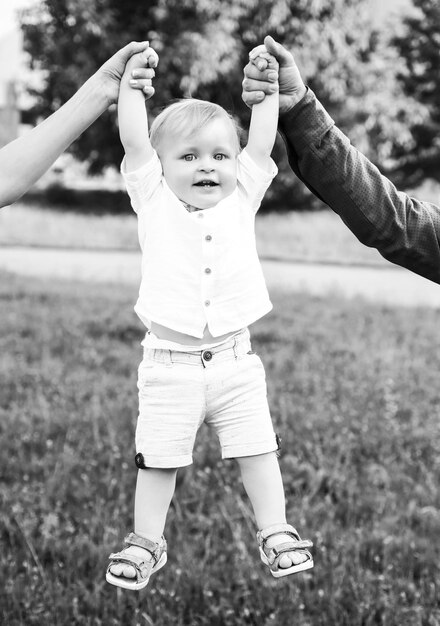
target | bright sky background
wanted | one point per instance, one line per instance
(8, 9)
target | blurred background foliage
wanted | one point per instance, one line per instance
(378, 80)
(419, 46)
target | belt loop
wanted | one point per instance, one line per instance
(202, 359)
(170, 356)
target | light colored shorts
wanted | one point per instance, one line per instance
(225, 387)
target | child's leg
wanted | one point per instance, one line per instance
(262, 480)
(154, 491)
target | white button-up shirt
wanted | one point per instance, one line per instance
(199, 268)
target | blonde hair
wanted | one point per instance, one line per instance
(186, 116)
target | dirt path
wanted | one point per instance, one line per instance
(390, 285)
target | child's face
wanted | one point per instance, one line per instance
(201, 169)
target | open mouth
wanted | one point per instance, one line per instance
(206, 183)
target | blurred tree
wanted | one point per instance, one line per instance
(419, 46)
(68, 39)
(203, 46)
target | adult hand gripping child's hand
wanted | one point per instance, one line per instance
(258, 83)
(110, 73)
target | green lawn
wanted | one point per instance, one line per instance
(355, 395)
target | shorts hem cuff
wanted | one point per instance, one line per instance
(167, 462)
(232, 452)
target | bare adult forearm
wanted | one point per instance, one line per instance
(404, 230)
(24, 160)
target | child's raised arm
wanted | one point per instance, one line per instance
(132, 113)
(264, 117)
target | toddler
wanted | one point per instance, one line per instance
(196, 195)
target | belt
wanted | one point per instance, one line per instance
(232, 348)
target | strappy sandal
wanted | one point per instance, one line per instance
(271, 556)
(143, 567)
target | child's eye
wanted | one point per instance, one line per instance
(220, 156)
(189, 157)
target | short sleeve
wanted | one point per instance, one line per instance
(141, 184)
(254, 181)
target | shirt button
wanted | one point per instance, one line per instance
(199, 215)
(208, 237)
(207, 302)
(207, 270)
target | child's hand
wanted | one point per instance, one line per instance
(262, 59)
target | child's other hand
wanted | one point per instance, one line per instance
(141, 70)
(262, 59)
(150, 57)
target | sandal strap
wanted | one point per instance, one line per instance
(155, 549)
(278, 529)
(296, 543)
(141, 567)
(289, 546)
(129, 559)
(274, 553)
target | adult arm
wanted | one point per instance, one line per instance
(404, 230)
(24, 160)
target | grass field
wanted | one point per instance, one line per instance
(316, 236)
(310, 236)
(355, 395)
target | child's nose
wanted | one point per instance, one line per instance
(206, 164)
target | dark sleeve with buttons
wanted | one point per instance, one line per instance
(405, 231)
